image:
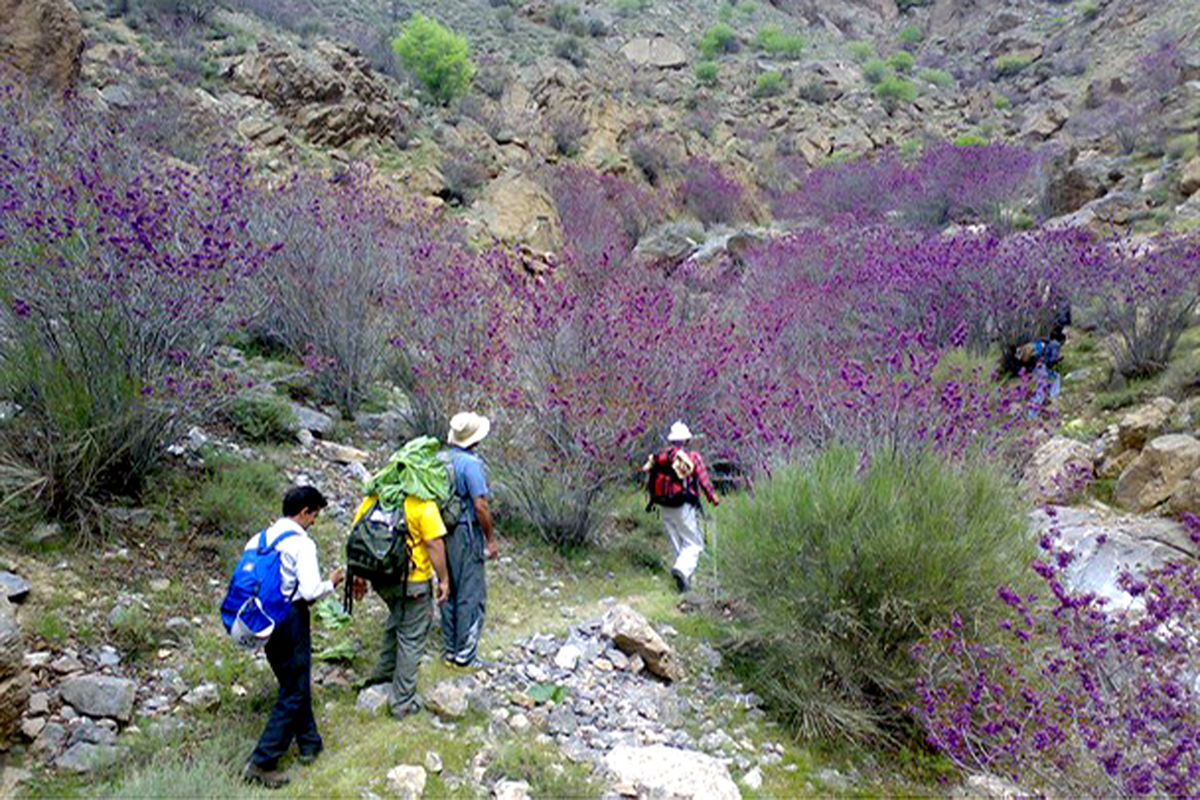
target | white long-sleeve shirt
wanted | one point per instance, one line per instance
(297, 561)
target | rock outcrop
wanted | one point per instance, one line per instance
(327, 93)
(43, 40)
(657, 51)
(101, 696)
(1059, 469)
(1144, 423)
(14, 677)
(1161, 468)
(516, 209)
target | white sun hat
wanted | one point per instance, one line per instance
(679, 432)
(468, 428)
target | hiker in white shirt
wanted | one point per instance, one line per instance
(289, 650)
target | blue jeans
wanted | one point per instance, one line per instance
(289, 652)
(462, 614)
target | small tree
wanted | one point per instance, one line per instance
(895, 91)
(437, 56)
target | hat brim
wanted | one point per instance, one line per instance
(485, 427)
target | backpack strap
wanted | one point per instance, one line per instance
(264, 548)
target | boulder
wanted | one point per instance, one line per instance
(1105, 545)
(567, 657)
(341, 453)
(988, 787)
(1186, 497)
(85, 757)
(631, 632)
(448, 700)
(1144, 423)
(373, 700)
(100, 696)
(516, 209)
(43, 40)
(1119, 208)
(1058, 471)
(204, 697)
(307, 419)
(511, 790)
(659, 771)
(407, 782)
(657, 51)
(14, 676)
(1189, 177)
(14, 587)
(1158, 471)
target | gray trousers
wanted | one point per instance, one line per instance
(462, 614)
(404, 638)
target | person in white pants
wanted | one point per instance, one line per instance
(677, 476)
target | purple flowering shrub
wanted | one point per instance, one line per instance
(710, 195)
(946, 184)
(1145, 298)
(118, 272)
(1073, 693)
(336, 288)
(603, 216)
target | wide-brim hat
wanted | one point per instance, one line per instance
(468, 428)
(679, 433)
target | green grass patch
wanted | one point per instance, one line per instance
(236, 498)
(1007, 66)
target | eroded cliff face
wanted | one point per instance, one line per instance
(42, 40)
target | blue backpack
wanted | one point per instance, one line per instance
(255, 604)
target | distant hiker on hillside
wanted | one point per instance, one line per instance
(472, 541)
(289, 649)
(675, 478)
(411, 484)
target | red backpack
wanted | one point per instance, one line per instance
(665, 487)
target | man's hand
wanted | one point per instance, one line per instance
(360, 588)
(493, 549)
(443, 592)
(337, 576)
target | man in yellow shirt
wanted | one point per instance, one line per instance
(410, 608)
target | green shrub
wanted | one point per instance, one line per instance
(236, 498)
(629, 8)
(131, 629)
(725, 12)
(937, 77)
(1011, 64)
(893, 91)
(262, 418)
(815, 92)
(912, 35)
(875, 69)
(772, 39)
(719, 39)
(861, 51)
(970, 140)
(1001, 102)
(571, 49)
(747, 10)
(846, 566)
(562, 15)
(1088, 9)
(902, 61)
(707, 72)
(438, 57)
(769, 84)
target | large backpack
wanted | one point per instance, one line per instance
(254, 603)
(378, 550)
(664, 485)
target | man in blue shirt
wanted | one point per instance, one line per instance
(469, 545)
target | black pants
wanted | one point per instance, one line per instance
(289, 652)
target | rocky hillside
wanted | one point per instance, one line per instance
(1109, 88)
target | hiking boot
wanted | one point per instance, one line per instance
(407, 710)
(307, 757)
(269, 778)
(681, 581)
(480, 663)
